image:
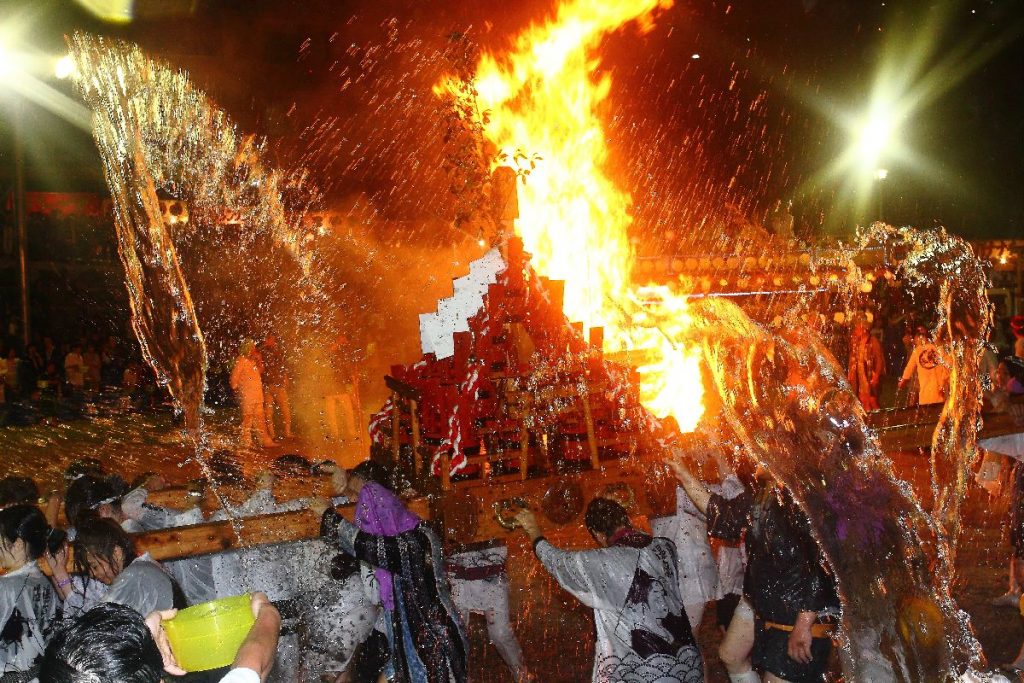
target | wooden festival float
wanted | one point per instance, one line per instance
(511, 404)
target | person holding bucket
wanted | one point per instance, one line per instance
(113, 644)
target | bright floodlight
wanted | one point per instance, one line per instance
(882, 173)
(64, 68)
(873, 138)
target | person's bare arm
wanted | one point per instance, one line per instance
(258, 648)
(58, 562)
(693, 486)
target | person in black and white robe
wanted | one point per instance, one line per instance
(631, 582)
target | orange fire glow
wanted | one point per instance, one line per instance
(544, 97)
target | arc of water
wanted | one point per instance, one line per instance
(786, 402)
(155, 131)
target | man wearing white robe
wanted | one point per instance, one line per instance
(632, 584)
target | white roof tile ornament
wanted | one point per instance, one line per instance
(437, 329)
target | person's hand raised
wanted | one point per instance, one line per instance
(58, 562)
(527, 521)
(155, 624)
(679, 468)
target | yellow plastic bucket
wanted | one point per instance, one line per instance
(208, 636)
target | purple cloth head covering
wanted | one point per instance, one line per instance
(381, 513)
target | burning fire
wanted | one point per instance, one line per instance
(544, 97)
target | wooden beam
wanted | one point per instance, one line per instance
(183, 498)
(406, 391)
(415, 418)
(446, 472)
(396, 423)
(524, 448)
(595, 461)
(212, 537)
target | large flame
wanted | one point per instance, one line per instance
(544, 98)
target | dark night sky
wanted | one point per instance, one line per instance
(685, 142)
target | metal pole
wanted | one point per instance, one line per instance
(19, 213)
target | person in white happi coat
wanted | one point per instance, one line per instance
(688, 530)
(28, 603)
(257, 569)
(336, 608)
(480, 584)
(735, 615)
(136, 515)
(631, 583)
(698, 569)
(110, 571)
(296, 572)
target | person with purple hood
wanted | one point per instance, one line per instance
(424, 634)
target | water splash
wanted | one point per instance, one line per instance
(786, 402)
(156, 132)
(943, 274)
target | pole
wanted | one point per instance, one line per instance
(881, 191)
(19, 212)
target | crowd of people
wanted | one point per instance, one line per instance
(46, 378)
(379, 598)
(261, 381)
(900, 362)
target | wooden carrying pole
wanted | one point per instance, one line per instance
(213, 537)
(414, 417)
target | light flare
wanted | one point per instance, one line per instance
(544, 97)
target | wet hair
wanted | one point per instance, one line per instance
(76, 497)
(746, 470)
(83, 467)
(108, 644)
(15, 490)
(605, 516)
(1014, 367)
(100, 537)
(291, 466)
(371, 470)
(88, 493)
(27, 523)
(225, 468)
